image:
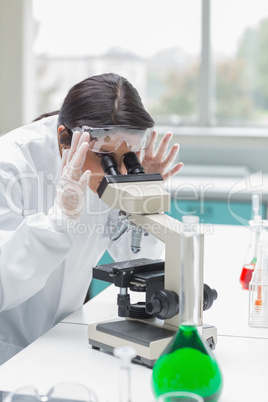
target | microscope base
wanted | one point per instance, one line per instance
(148, 340)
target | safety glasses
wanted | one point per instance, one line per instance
(108, 139)
(63, 392)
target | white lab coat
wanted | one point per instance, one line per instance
(45, 266)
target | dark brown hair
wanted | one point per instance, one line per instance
(102, 100)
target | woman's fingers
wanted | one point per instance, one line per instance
(75, 141)
(163, 146)
(64, 157)
(172, 171)
(85, 178)
(84, 138)
(171, 156)
(73, 159)
(149, 150)
(78, 160)
(162, 159)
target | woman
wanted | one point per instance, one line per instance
(53, 226)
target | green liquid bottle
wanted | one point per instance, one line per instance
(187, 363)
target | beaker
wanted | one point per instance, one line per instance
(187, 364)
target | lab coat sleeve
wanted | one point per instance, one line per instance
(31, 248)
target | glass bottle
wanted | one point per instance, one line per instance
(251, 256)
(187, 363)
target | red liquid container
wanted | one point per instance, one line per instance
(246, 275)
(251, 257)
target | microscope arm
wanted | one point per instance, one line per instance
(168, 230)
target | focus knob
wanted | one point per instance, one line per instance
(163, 304)
(210, 295)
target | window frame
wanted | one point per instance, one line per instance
(205, 124)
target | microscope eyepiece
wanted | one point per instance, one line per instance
(133, 166)
(109, 165)
(132, 163)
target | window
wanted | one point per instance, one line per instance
(194, 63)
(156, 45)
(239, 38)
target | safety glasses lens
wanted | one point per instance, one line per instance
(108, 140)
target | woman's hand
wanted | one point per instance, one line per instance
(73, 182)
(157, 161)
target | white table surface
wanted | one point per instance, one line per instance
(63, 353)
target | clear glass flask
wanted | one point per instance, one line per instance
(187, 363)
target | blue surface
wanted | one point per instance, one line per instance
(214, 212)
(96, 285)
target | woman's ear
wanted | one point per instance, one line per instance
(64, 138)
(61, 128)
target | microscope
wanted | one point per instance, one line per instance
(149, 325)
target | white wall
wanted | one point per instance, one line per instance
(16, 64)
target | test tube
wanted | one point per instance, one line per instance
(258, 290)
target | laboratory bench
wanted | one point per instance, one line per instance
(64, 355)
